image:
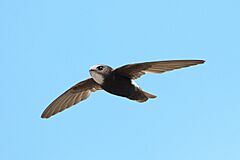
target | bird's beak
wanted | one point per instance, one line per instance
(91, 71)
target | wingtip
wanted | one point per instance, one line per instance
(43, 116)
(196, 62)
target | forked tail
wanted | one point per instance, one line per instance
(148, 95)
(141, 96)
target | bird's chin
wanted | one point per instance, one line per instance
(91, 72)
(97, 77)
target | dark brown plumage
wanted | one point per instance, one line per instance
(134, 71)
(118, 82)
(75, 94)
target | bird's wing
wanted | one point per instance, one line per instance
(72, 96)
(134, 71)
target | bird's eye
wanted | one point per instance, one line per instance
(100, 68)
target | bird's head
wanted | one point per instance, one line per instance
(99, 72)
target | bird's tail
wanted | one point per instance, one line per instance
(141, 96)
(148, 95)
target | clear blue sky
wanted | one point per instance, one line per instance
(47, 46)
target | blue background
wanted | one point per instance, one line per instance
(48, 46)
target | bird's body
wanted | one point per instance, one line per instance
(119, 81)
(123, 86)
(118, 85)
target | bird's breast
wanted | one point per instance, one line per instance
(118, 85)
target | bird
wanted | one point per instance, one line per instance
(119, 82)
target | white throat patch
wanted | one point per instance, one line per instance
(97, 77)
